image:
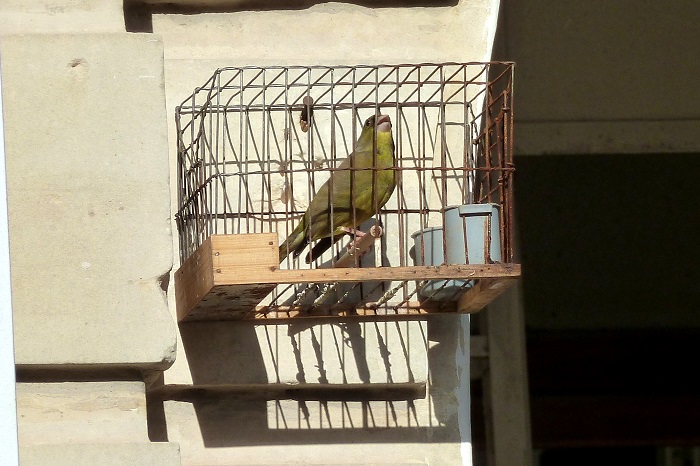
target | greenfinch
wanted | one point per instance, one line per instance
(355, 191)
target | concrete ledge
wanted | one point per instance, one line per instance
(411, 32)
(301, 392)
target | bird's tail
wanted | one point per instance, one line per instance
(295, 242)
(322, 246)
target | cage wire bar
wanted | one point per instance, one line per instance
(256, 143)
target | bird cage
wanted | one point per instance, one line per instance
(345, 190)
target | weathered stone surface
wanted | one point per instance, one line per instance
(221, 430)
(54, 16)
(341, 353)
(257, 433)
(104, 454)
(81, 412)
(331, 33)
(88, 190)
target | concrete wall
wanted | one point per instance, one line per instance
(87, 423)
(603, 78)
(88, 199)
(222, 428)
(90, 238)
(61, 16)
(92, 248)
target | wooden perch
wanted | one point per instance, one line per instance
(358, 247)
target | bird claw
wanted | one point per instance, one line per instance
(354, 232)
(354, 246)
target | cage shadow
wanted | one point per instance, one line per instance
(238, 402)
(351, 336)
(223, 353)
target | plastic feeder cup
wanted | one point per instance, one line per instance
(429, 246)
(473, 232)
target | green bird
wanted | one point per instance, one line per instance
(363, 182)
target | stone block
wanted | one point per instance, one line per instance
(104, 454)
(54, 16)
(81, 412)
(89, 199)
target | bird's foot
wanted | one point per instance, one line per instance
(354, 232)
(354, 245)
(359, 246)
(375, 232)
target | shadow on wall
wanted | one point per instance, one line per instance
(364, 381)
(138, 13)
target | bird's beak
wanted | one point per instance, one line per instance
(383, 123)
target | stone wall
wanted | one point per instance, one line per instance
(91, 144)
(429, 360)
(90, 242)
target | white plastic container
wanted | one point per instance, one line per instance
(473, 232)
(472, 236)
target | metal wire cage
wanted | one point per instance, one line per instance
(255, 144)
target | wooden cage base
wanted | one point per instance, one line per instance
(229, 275)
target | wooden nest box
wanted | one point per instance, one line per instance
(345, 191)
